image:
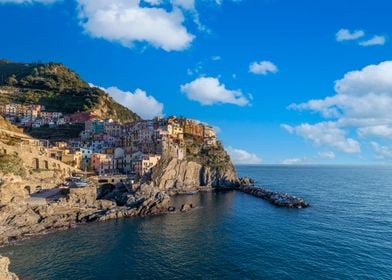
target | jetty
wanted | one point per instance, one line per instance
(279, 199)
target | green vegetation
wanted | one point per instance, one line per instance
(212, 156)
(57, 88)
(60, 133)
(4, 124)
(11, 164)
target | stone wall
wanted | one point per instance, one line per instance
(35, 157)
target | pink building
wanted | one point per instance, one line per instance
(102, 164)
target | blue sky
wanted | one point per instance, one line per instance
(193, 58)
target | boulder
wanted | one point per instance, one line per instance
(186, 207)
(5, 274)
(11, 189)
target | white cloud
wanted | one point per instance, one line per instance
(383, 131)
(185, 4)
(347, 35)
(296, 161)
(197, 70)
(362, 102)
(209, 91)
(160, 23)
(239, 156)
(263, 67)
(363, 98)
(126, 22)
(139, 102)
(326, 133)
(376, 40)
(327, 155)
(382, 152)
(153, 2)
(322, 156)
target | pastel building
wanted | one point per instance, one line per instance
(145, 163)
(73, 159)
(102, 164)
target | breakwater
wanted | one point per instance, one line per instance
(279, 199)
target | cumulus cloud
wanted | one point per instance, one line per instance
(326, 133)
(127, 22)
(363, 99)
(239, 156)
(362, 103)
(263, 67)
(347, 35)
(382, 152)
(376, 40)
(139, 102)
(210, 91)
(383, 131)
(160, 23)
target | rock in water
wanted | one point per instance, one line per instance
(186, 207)
(5, 274)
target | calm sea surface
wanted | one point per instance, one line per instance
(346, 234)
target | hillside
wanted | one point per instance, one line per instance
(4, 124)
(58, 88)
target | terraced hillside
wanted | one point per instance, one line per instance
(58, 88)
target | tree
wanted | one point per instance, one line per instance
(12, 81)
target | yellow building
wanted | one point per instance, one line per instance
(66, 156)
(73, 159)
(57, 153)
(146, 163)
(175, 130)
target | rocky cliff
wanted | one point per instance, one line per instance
(205, 167)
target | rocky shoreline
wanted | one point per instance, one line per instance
(20, 220)
(23, 217)
(280, 199)
(5, 274)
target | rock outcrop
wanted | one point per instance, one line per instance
(5, 274)
(11, 189)
(23, 218)
(182, 176)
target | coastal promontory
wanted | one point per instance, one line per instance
(70, 154)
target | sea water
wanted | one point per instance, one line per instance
(345, 234)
